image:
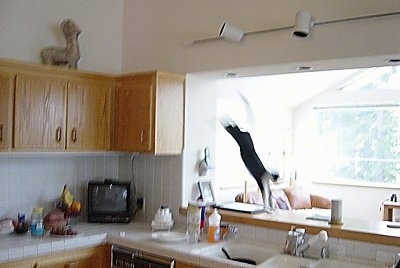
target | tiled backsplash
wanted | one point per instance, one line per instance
(158, 180)
(29, 180)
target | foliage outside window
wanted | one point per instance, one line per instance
(361, 143)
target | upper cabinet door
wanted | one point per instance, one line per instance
(6, 90)
(39, 112)
(170, 113)
(134, 111)
(149, 113)
(89, 115)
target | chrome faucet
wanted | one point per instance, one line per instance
(306, 243)
(230, 233)
(297, 243)
(397, 262)
(293, 240)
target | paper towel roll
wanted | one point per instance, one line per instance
(336, 211)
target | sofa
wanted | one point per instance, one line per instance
(290, 197)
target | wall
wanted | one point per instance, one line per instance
(200, 127)
(27, 26)
(29, 180)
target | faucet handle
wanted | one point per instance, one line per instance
(232, 230)
(397, 261)
(324, 252)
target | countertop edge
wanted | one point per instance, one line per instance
(352, 229)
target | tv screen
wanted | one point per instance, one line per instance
(109, 201)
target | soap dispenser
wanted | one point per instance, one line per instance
(213, 233)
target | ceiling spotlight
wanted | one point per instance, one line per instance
(302, 24)
(231, 33)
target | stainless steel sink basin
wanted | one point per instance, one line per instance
(259, 252)
(268, 256)
(288, 261)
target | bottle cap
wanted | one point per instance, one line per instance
(37, 210)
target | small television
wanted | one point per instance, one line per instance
(109, 201)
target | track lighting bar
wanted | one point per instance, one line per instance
(303, 21)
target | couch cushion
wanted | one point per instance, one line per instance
(280, 199)
(320, 202)
(298, 197)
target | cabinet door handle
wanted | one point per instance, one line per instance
(1, 132)
(72, 265)
(58, 134)
(141, 135)
(73, 134)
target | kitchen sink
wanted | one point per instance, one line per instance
(288, 261)
(270, 256)
(257, 252)
(332, 263)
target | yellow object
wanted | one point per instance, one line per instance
(213, 233)
(245, 196)
(67, 196)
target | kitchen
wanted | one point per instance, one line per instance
(131, 47)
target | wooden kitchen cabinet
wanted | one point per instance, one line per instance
(6, 106)
(39, 112)
(57, 109)
(149, 113)
(89, 115)
(99, 257)
(184, 265)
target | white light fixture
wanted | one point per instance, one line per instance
(231, 33)
(302, 27)
(302, 24)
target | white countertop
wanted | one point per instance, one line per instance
(137, 235)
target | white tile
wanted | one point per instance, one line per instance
(248, 232)
(97, 239)
(193, 259)
(3, 255)
(43, 248)
(70, 243)
(83, 241)
(15, 253)
(31, 250)
(57, 246)
(349, 247)
(205, 262)
(276, 237)
(261, 234)
(386, 256)
(365, 250)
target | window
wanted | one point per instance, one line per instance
(338, 126)
(360, 143)
(357, 141)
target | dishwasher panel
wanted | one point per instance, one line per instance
(132, 258)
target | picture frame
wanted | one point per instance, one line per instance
(206, 192)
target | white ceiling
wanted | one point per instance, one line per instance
(284, 90)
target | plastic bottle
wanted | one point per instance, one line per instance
(37, 227)
(213, 233)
